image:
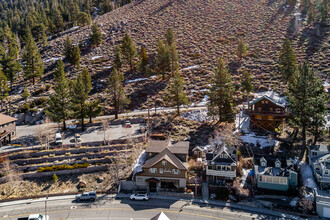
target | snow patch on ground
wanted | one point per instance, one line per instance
(73, 28)
(196, 115)
(307, 176)
(261, 141)
(190, 67)
(53, 59)
(107, 67)
(96, 57)
(138, 163)
(139, 79)
(202, 103)
(326, 84)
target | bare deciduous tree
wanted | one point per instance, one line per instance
(44, 133)
(11, 174)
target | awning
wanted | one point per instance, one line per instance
(3, 135)
(152, 180)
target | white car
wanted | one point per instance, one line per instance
(38, 217)
(140, 196)
(58, 138)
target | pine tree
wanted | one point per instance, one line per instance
(287, 62)
(118, 58)
(10, 65)
(95, 37)
(247, 86)
(33, 64)
(93, 109)
(221, 94)
(241, 49)
(3, 88)
(43, 38)
(84, 19)
(307, 100)
(75, 56)
(80, 93)
(129, 50)
(116, 91)
(87, 80)
(162, 61)
(173, 54)
(324, 14)
(169, 36)
(59, 104)
(175, 94)
(143, 58)
(67, 51)
(26, 94)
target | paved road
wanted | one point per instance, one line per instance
(110, 208)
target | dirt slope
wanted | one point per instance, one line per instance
(205, 29)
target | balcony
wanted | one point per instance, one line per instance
(267, 112)
(227, 173)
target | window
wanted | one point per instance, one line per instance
(175, 171)
(326, 172)
(283, 180)
(150, 154)
(164, 162)
(270, 117)
(210, 167)
(269, 179)
(314, 153)
(221, 155)
(276, 179)
(317, 168)
(153, 170)
(263, 163)
(161, 170)
(225, 156)
(258, 116)
(266, 102)
(139, 179)
(278, 164)
(218, 167)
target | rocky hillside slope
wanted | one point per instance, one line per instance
(205, 30)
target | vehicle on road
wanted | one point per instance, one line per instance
(77, 138)
(87, 196)
(58, 138)
(35, 217)
(139, 196)
(127, 124)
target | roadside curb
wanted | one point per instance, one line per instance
(229, 205)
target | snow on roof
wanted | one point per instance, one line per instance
(274, 96)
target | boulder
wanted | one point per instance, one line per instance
(81, 185)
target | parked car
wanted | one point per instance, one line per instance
(77, 138)
(127, 124)
(91, 196)
(58, 138)
(35, 217)
(140, 196)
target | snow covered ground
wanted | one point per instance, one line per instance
(139, 79)
(53, 59)
(307, 176)
(138, 163)
(96, 57)
(190, 68)
(261, 141)
(196, 115)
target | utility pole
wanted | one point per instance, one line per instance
(148, 128)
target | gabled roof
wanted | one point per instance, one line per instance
(270, 159)
(160, 216)
(4, 119)
(156, 146)
(268, 98)
(167, 155)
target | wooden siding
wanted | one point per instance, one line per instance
(168, 167)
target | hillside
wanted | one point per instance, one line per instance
(205, 30)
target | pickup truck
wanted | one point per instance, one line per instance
(91, 196)
(35, 217)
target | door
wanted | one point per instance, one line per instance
(153, 187)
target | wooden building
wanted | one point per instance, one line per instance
(268, 113)
(7, 129)
(165, 168)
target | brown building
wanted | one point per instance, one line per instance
(268, 113)
(165, 168)
(7, 129)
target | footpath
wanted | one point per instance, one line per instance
(204, 202)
